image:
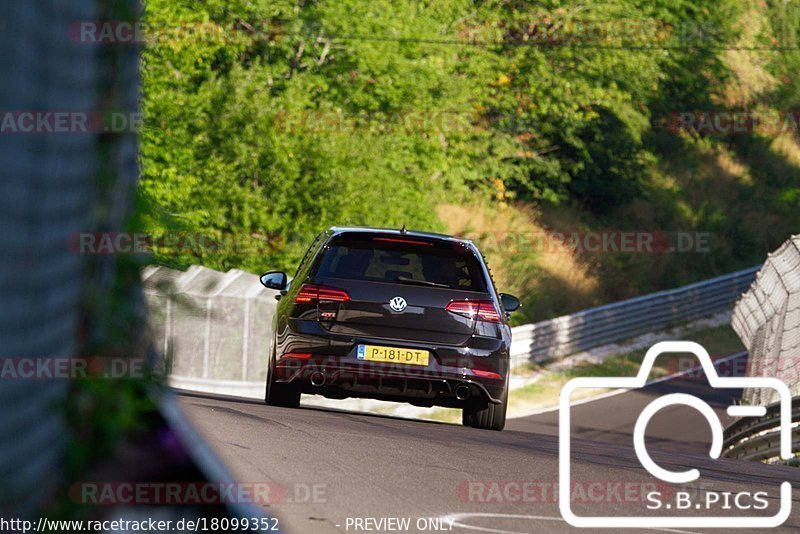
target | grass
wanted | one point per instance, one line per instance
(739, 193)
(740, 190)
(719, 341)
(524, 258)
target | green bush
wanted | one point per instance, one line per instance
(371, 112)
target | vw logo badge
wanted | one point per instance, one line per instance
(398, 304)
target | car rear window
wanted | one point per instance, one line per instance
(395, 260)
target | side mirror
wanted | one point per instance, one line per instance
(274, 280)
(510, 303)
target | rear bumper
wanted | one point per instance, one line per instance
(455, 376)
(340, 380)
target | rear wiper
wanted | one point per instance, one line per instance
(407, 280)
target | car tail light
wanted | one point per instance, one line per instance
(404, 241)
(296, 355)
(312, 293)
(486, 374)
(482, 310)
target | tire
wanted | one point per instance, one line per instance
(491, 417)
(278, 393)
(285, 395)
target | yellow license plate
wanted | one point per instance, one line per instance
(375, 353)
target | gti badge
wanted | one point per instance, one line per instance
(398, 304)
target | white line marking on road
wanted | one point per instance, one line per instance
(616, 392)
(454, 520)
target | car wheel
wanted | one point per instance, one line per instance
(286, 395)
(488, 417)
(280, 394)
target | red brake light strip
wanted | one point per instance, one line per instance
(406, 241)
(311, 293)
(482, 310)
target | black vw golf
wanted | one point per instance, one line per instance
(393, 315)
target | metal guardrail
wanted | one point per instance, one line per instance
(216, 325)
(628, 318)
(758, 438)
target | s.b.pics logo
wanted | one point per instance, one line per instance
(709, 508)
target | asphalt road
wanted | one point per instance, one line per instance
(675, 428)
(332, 470)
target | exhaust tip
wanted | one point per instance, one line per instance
(463, 392)
(317, 379)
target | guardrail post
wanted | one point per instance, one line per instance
(246, 340)
(207, 340)
(167, 324)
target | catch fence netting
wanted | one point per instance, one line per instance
(767, 319)
(213, 326)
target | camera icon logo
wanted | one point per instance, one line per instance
(675, 477)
